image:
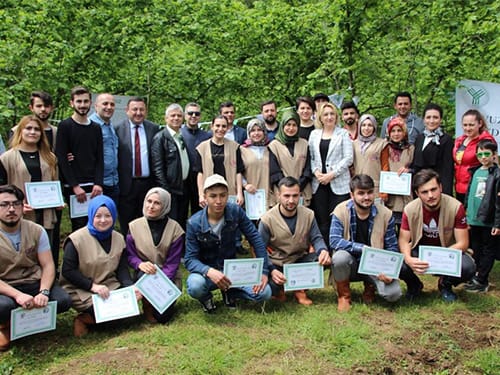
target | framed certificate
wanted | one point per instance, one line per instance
(255, 204)
(442, 260)
(29, 322)
(158, 289)
(303, 276)
(391, 183)
(376, 261)
(78, 209)
(121, 303)
(244, 272)
(46, 194)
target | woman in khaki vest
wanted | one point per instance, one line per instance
(30, 159)
(94, 262)
(156, 239)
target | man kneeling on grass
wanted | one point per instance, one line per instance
(210, 239)
(355, 223)
(289, 229)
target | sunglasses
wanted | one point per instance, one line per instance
(484, 154)
(192, 113)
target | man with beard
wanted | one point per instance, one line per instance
(268, 112)
(356, 223)
(27, 270)
(414, 124)
(234, 133)
(79, 152)
(350, 117)
(288, 230)
(433, 219)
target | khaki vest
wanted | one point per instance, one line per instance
(380, 223)
(17, 268)
(230, 162)
(257, 171)
(293, 166)
(369, 163)
(287, 247)
(446, 224)
(95, 264)
(397, 202)
(18, 174)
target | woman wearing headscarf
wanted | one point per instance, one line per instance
(156, 239)
(290, 155)
(367, 149)
(94, 262)
(255, 155)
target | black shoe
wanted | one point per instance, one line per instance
(228, 300)
(414, 291)
(447, 294)
(475, 286)
(241, 250)
(208, 306)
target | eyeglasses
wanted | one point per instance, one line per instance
(484, 154)
(14, 204)
(193, 113)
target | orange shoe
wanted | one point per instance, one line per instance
(344, 295)
(301, 297)
(4, 336)
(281, 297)
(369, 293)
(81, 323)
(147, 308)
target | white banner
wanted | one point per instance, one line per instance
(483, 96)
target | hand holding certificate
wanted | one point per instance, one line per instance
(392, 183)
(377, 261)
(442, 260)
(28, 322)
(158, 289)
(44, 194)
(78, 209)
(244, 272)
(121, 303)
(255, 204)
(303, 276)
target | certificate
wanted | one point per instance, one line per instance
(376, 261)
(303, 276)
(78, 209)
(391, 183)
(158, 289)
(121, 303)
(244, 272)
(255, 204)
(442, 260)
(28, 322)
(44, 194)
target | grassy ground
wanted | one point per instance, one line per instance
(426, 337)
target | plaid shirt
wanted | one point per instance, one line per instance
(337, 241)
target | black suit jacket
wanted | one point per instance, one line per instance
(125, 152)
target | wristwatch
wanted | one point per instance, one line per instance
(45, 292)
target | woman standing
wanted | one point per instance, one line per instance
(331, 156)
(367, 149)
(305, 109)
(290, 155)
(464, 150)
(434, 148)
(156, 239)
(94, 262)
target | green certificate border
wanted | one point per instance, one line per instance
(312, 285)
(437, 271)
(364, 259)
(159, 273)
(30, 185)
(260, 266)
(73, 214)
(119, 314)
(403, 177)
(14, 315)
(263, 205)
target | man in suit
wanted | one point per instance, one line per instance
(135, 136)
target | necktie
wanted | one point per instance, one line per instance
(180, 139)
(137, 153)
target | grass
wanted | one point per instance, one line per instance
(425, 337)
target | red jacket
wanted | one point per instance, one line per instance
(468, 160)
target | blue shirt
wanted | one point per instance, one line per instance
(110, 150)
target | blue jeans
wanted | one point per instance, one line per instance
(200, 287)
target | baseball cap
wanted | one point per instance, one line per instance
(215, 179)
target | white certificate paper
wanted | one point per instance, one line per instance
(303, 276)
(391, 183)
(78, 209)
(255, 204)
(44, 194)
(232, 199)
(442, 260)
(28, 322)
(158, 289)
(244, 272)
(121, 303)
(376, 261)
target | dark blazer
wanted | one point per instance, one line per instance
(125, 152)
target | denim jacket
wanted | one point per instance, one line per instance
(204, 249)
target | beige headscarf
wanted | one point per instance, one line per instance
(165, 200)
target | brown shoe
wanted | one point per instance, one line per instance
(81, 323)
(148, 311)
(301, 297)
(344, 295)
(369, 293)
(281, 297)
(4, 336)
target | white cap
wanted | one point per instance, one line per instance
(215, 179)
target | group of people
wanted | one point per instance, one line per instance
(321, 186)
